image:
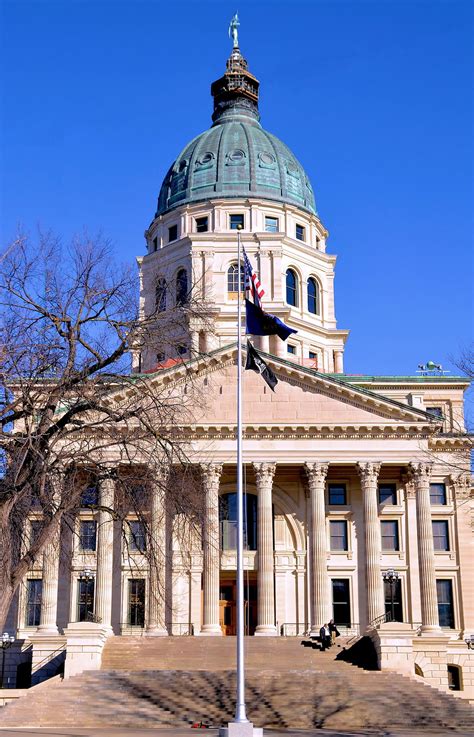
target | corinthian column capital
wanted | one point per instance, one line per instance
(211, 474)
(368, 472)
(264, 473)
(461, 483)
(420, 472)
(316, 473)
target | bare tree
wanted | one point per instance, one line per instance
(71, 410)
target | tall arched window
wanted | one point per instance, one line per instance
(233, 280)
(291, 288)
(314, 301)
(160, 295)
(182, 287)
(228, 521)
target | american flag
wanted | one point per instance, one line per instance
(253, 287)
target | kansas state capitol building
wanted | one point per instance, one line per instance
(357, 506)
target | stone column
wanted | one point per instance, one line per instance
(339, 362)
(461, 488)
(318, 549)
(368, 473)
(49, 597)
(421, 473)
(264, 473)
(211, 473)
(156, 624)
(105, 540)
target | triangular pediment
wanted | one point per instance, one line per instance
(302, 396)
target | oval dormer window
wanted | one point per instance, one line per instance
(236, 157)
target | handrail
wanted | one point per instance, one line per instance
(48, 659)
(372, 625)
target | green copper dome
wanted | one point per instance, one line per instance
(236, 157)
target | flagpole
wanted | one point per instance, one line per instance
(240, 715)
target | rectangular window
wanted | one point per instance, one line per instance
(271, 225)
(337, 494)
(444, 589)
(440, 534)
(85, 600)
(393, 600)
(291, 349)
(136, 602)
(137, 536)
(155, 243)
(300, 232)
(87, 535)
(90, 497)
(202, 225)
(36, 526)
(435, 412)
(390, 540)
(438, 493)
(341, 602)
(338, 534)
(387, 494)
(235, 221)
(34, 590)
(172, 233)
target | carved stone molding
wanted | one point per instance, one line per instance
(368, 472)
(462, 485)
(264, 473)
(316, 473)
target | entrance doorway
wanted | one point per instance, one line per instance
(228, 604)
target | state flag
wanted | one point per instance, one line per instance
(255, 363)
(258, 322)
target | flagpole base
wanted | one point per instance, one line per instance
(240, 729)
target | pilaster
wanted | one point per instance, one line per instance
(463, 505)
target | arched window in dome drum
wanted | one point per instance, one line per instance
(233, 279)
(314, 300)
(160, 295)
(182, 296)
(291, 288)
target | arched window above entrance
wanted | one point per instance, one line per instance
(228, 521)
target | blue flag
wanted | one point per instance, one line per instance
(259, 322)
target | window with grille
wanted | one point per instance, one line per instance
(90, 497)
(341, 602)
(85, 600)
(300, 232)
(182, 287)
(87, 535)
(202, 225)
(160, 295)
(291, 288)
(271, 225)
(313, 296)
(137, 536)
(444, 589)
(236, 221)
(337, 494)
(438, 493)
(233, 279)
(387, 494)
(34, 590)
(390, 539)
(338, 535)
(440, 534)
(136, 602)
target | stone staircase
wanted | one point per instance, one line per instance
(148, 682)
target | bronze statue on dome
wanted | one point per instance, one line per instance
(233, 30)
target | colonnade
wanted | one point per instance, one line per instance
(320, 600)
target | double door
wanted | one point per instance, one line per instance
(228, 606)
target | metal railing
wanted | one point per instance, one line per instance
(182, 629)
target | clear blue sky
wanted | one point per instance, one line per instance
(374, 97)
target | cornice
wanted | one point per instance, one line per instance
(301, 432)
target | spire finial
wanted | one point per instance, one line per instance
(233, 30)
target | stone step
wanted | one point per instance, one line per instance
(344, 698)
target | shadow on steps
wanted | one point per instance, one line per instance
(362, 654)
